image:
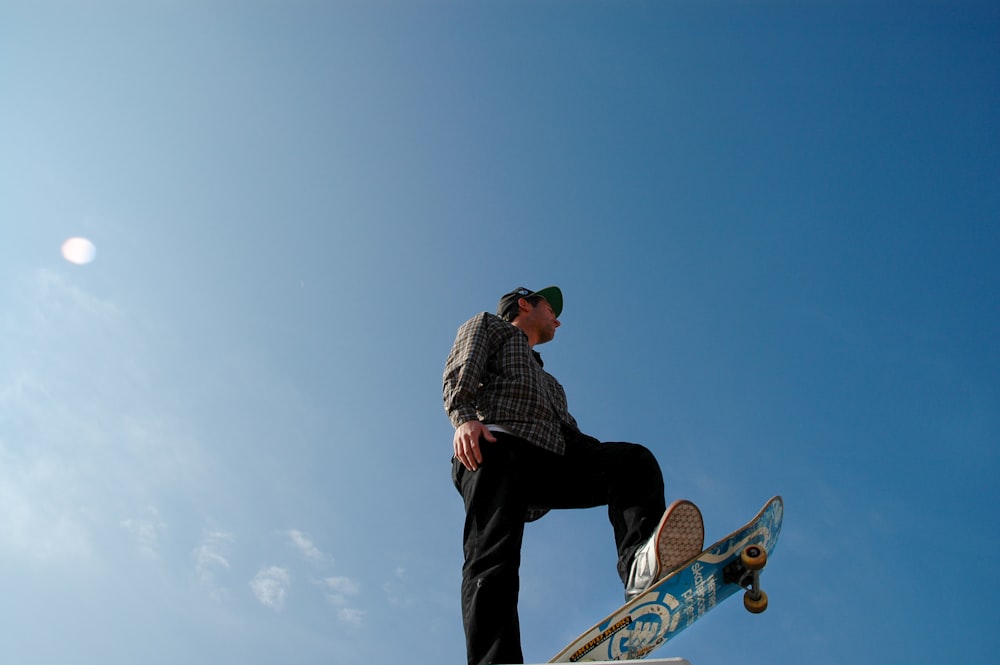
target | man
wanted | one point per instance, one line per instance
(518, 453)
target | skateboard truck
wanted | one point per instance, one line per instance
(745, 572)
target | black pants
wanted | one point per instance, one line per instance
(516, 475)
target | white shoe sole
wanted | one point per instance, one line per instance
(680, 536)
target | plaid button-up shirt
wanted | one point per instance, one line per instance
(494, 376)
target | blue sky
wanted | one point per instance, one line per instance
(774, 223)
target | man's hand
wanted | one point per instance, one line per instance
(467, 443)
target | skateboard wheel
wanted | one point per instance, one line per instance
(754, 557)
(755, 605)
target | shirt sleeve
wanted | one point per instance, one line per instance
(464, 369)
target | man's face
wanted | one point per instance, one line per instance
(539, 321)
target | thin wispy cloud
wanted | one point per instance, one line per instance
(37, 526)
(338, 589)
(65, 457)
(305, 546)
(55, 300)
(51, 431)
(210, 560)
(341, 591)
(270, 586)
(395, 589)
(351, 616)
(147, 530)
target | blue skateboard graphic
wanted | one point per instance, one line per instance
(678, 600)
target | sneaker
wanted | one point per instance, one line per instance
(679, 537)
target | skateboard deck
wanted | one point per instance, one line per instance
(678, 600)
(651, 661)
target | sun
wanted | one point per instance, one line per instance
(79, 251)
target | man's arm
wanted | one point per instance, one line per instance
(463, 374)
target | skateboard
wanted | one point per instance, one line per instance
(678, 600)
(651, 661)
